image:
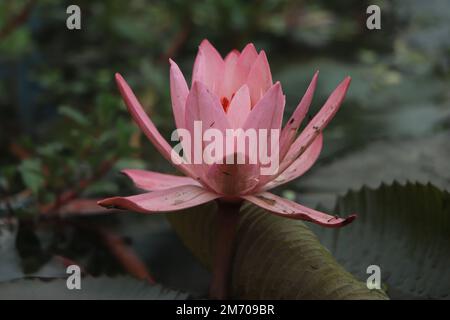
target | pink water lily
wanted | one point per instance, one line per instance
(235, 92)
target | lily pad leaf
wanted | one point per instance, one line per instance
(121, 288)
(10, 259)
(403, 229)
(275, 257)
(11, 263)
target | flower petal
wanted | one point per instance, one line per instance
(229, 85)
(155, 181)
(233, 179)
(268, 112)
(208, 67)
(244, 63)
(290, 129)
(300, 166)
(173, 199)
(202, 105)
(292, 210)
(204, 108)
(239, 108)
(259, 79)
(316, 125)
(178, 92)
(147, 126)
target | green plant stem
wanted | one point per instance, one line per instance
(227, 220)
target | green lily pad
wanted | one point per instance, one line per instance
(275, 257)
(12, 264)
(121, 288)
(403, 229)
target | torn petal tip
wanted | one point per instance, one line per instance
(102, 203)
(106, 203)
(348, 219)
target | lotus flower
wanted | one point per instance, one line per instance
(235, 92)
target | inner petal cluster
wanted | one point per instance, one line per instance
(225, 77)
(225, 103)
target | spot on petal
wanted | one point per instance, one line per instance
(270, 202)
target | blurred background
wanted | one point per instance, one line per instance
(65, 133)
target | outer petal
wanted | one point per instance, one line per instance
(290, 129)
(173, 199)
(234, 179)
(316, 125)
(208, 67)
(259, 79)
(155, 181)
(178, 92)
(147, 126)
(239, 108)
(289, 209)
(300, 166)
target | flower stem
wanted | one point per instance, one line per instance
(227, 220)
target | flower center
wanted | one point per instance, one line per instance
(225, 103)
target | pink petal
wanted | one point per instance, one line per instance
(300, 166)
(229, 85)
(232, 54)
(244, 63)
(173, 199)
(154, 181)
(202, 105)
(247, 58)
(233, 179)
(208, 67)
(259, 79)
(147, 126)
(268, 112)
(178, 92)
(289, 209)
(239, 108)
(290, 130)
(316, 125)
